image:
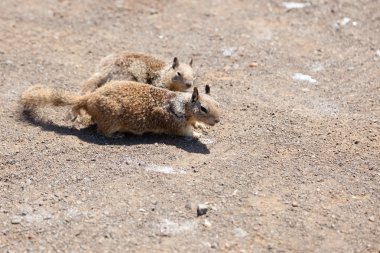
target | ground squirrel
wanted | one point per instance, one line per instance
(127, 106)
(141, 68)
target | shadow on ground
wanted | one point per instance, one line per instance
(90, 135)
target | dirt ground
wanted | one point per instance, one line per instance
(293, 166)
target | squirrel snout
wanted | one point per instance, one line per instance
(188, 84)
(212, 123)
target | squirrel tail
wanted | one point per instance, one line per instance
(39, 96)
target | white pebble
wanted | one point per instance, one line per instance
(202, 209)
(228, 52)
(294, 5)
(165, 169)
(303, 77)
(239, 232)
(345, 21)
(206, 223)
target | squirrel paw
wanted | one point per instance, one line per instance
(196, 135)
(199, 125)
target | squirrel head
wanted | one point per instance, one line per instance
(180, 76)
(204, 108)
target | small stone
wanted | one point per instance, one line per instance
(28, 181)
(253, 64)
(16, 220)
(153, 12)
(188, 206)
(206, 223)
(228, 52)
(344, 21)
(294, 204)
(202, 209)
(371, 218)
(239, 232)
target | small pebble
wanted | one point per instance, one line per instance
(16, 220)
(228, 52)
(344, 21)
(372, 218)
(294, 204)
(206, 223)
(202, 209)
(188, 206)
(253, 64)
(239, 232)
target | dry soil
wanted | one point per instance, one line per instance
(292, 167)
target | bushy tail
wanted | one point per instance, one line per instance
(39, 96)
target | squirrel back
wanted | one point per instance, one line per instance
(141, 68)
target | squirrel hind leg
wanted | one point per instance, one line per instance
(79, 115)
(107, 129)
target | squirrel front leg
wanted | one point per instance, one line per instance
(199, 125)
(189, 132)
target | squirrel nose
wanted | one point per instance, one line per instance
(188, 84)
(217, 120)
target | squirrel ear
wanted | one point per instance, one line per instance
(195, 96)
(207, 89)
(175, 63)
(191, 62)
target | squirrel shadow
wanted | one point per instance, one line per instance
(90, 135)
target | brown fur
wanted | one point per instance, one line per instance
(141, 68)
(125, 106)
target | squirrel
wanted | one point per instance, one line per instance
(141, 68)
(127, 106)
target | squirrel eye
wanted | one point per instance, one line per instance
(179, 74)
(203, 109)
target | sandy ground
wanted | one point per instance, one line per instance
(294, 165)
